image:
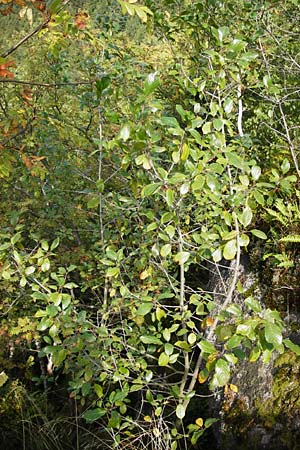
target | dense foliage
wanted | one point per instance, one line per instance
(144, 147)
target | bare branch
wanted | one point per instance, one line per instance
(289, 140)
(25, 38)
(51, 85)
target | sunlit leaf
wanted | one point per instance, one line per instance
(180, 411)
(230, 249)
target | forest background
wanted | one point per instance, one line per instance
(145, 148)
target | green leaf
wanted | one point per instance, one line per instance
(259, 197)
(150, 189)
(255, 354)
(230, 249)
(245, 329)
(102, 84)
(167, 334)
(180, 411)
(253, 304)
(94, 414)
(53, 6)
(207, 347)
(170, 194)
(291, 238)
(206, 129)
(125, 133)
(185, 152)
(273, 334)
(169, 349)
(51, 310)
(176, 156)
(163, 359)
(234, 341)
(267, 80)
(100, 185)
(234, 309)
(218, 124)
(3, 378)
(184, 345)
(54, 244)
(165, 250)
(181, 257)
(159, 313)
(212, 182)
(44, 324)
(246, 217)
(235, 160)
(228, 105)
(170, 122)
(150, 340)
(258, 233)
(289, 344)
(243, 240)
(99, 390)
(223, 32)
(59, 357)
(93, 203)
(255, 172)
(285, 166)
(112, 272)
(66, 300)
(151, 83)
(115, 420)
(144, 309)
(217, 255)
(198, 183)
(221, 375)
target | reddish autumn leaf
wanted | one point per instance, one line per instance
(4, 73)
(6, 11)
(39, 4)
(27, 161)
(81, 20)
(26, 94)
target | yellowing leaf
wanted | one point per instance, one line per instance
(199, 422)
(144, 274)
(147, 419)
(233, 388)
(3, 378)
(209, 321)
(203, 375)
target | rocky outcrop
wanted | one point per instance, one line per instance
(265, 412)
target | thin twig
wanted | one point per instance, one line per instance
(51, 85)
(240, 106)
(182, 310)
(25, 38)
(289, 140)
(216, 321)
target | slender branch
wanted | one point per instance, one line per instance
(54, 85)
(25, 38)
(100, 149)
(101, 226)
(240, 106)
(225, 304)
(182, 310)
(33, 32)
(231, 289)
(289, 140)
